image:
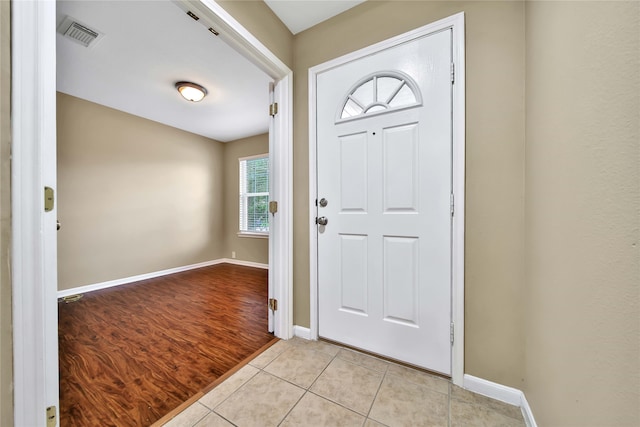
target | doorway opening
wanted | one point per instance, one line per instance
(34, 251)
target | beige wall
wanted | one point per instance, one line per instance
(246, 248)
(260, 21)
(579, 310)
(6, 348)
(134, 196)
(495, 163)
(583, 213)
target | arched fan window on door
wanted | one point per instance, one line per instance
(379, 93)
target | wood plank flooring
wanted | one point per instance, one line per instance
(130, 354)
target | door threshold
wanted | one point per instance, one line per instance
(388, 359)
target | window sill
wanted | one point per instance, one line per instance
(252, 234)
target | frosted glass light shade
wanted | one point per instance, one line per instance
(191, 91)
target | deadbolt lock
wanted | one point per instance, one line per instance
(323, 203)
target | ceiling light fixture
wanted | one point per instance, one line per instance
(191, 91)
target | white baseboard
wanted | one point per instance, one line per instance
(527, 413)
(126, 280)
(244, 263)
(301, 332)
(509, 395)
(500, 392)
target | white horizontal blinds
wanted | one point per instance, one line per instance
(254, 194)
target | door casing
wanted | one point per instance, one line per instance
(33, 262)
(456, 23)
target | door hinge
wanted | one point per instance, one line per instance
(453, 72)
(452, 332)
(273, 109)
(273, 207)
(51, 416)
(273, 304)
(48, 199)
(452, 204)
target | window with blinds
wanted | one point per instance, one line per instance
(254, 194)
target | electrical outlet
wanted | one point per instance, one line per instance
(233, 254)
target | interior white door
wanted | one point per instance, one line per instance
(384, 154)
(272, 223)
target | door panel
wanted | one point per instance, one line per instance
(353, 277)
(384, 167)
(400, 182)
(353, 172)
(401, 280)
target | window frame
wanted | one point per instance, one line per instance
(243, 199)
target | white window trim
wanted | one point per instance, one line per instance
(242, 232)
(254, 234)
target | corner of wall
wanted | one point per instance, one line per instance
(6, 344)
(245, 248)
(582, 203)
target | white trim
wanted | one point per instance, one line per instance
(213, 15)
(154, 274)
(456, 22)
(527, 414)
(137, 278)
(302, 332)
(253, 234)
(244, 263)
(459, 172)
(500, 392)
(33, 260)
(281, 250)
(257, 156)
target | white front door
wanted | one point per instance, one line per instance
(384, 185)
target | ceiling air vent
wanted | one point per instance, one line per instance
(78, 32)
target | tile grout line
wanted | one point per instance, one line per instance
(213, 410)
(308, 389)
(293, 407)
(449, 404)
(204, 416)
(229, 421)
(333, 358)
(384, 376)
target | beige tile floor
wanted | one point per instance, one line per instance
(313, 383)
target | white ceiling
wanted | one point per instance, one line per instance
(147, 47)
(298, 15)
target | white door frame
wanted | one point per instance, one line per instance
(33, 247)
(34, 259)
(456, 23)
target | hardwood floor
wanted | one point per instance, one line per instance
(129, 355)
